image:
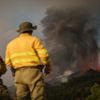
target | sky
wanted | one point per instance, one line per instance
(13, 12)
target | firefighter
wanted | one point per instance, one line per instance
(27, 56)
(4, 95)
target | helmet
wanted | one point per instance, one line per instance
(26, 26)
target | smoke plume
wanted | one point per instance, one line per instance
(70, 35)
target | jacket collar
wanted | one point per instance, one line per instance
(24, 34)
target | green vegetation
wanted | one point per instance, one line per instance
(95, 93)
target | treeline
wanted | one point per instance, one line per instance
(84, 87)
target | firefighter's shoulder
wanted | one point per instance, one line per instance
(12, 42)
(36, 38)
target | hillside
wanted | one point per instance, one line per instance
(75, 88)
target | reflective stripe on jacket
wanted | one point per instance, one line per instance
(23, 51)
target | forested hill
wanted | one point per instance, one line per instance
(77, 88)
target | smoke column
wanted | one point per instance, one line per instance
(70, 35)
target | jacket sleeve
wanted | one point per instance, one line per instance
(41, 51)
(7, 58)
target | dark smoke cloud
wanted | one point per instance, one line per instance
(70, 34)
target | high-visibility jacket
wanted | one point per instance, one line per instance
(25, 50)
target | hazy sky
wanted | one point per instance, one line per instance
(13, 12)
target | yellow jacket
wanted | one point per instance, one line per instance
(24, 51)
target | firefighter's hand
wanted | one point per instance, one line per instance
(47, 69)
(13, 71)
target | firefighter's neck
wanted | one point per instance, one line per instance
(28, 32)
